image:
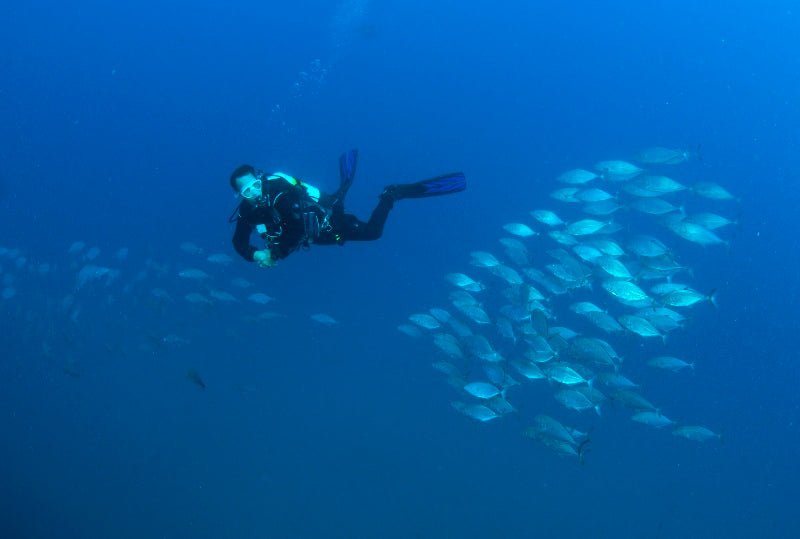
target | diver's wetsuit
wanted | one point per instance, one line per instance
(291, 217)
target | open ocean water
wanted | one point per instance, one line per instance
(136, 402)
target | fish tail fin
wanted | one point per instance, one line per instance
(597, 409)
(582, 449)
(712, 298)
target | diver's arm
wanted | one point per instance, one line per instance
(241, 240)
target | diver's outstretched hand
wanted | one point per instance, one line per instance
(264, 259)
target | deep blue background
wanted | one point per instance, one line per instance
(120, 125)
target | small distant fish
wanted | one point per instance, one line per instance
(198, 299)
(593, 195)
(223, 296)
(673, 364)
(686, 297)
(92, 254)
(565, 194)
(324, 319)
(441, 315)
(696, 433)
(653, 206)
(194, 274)
(639, 325)
(625, 290)
(464, 282)
(614, 267)
(585, 227)
(633, 400)
(260, 298)
(564, 374)
(653, 419)
(194, 377)
(711, 221)
(190, 248)
(476, 314)
(76, 248)
(615, 170)
(519, 229)
(587, 252)
(482, 390)
(647, 246)
(607, 247)
(659, 155)
(547, 217)
(220, 258)
(425, 321)
(483, 259)
(711, 191)
(509, 275)
(574, 399)
(660, 184)
(601, 208)
(584, 307)
(238, 282)
(411, 331)
(478, 412)
(577, 176)
(448, 344)
(696, 233)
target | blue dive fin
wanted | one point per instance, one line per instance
(440, 185)
(347, 172)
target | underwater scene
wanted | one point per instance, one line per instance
(355, 269)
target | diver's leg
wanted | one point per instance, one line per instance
(350, 228)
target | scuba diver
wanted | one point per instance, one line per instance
(290, 214)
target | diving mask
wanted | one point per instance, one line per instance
(251, 190)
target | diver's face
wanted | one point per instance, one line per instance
(249, 187)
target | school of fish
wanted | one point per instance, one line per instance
(603, 259)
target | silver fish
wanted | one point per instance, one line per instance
(585, 227)
(482, 390)
(639, 325)
(425, 321)
(574, 400)
(625, 290)
(696, 433)
(483, 259)
(673, 364)
(565, 194)
(711, 191)
(616, 170)
(653, 419)
(547, 217)
(711, 221)
(564, 374)
(659, 155)
(593, 195)
(577, 176)
(478, 412)
(696, 233)
(519, 229)
(464, 282)
(687, 297)
(653, 206)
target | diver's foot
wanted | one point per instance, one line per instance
(390, 193)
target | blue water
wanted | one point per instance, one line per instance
(120, 126)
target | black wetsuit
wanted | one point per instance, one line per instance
(294, 220)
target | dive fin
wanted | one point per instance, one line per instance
(440, 185)
(347, 172)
